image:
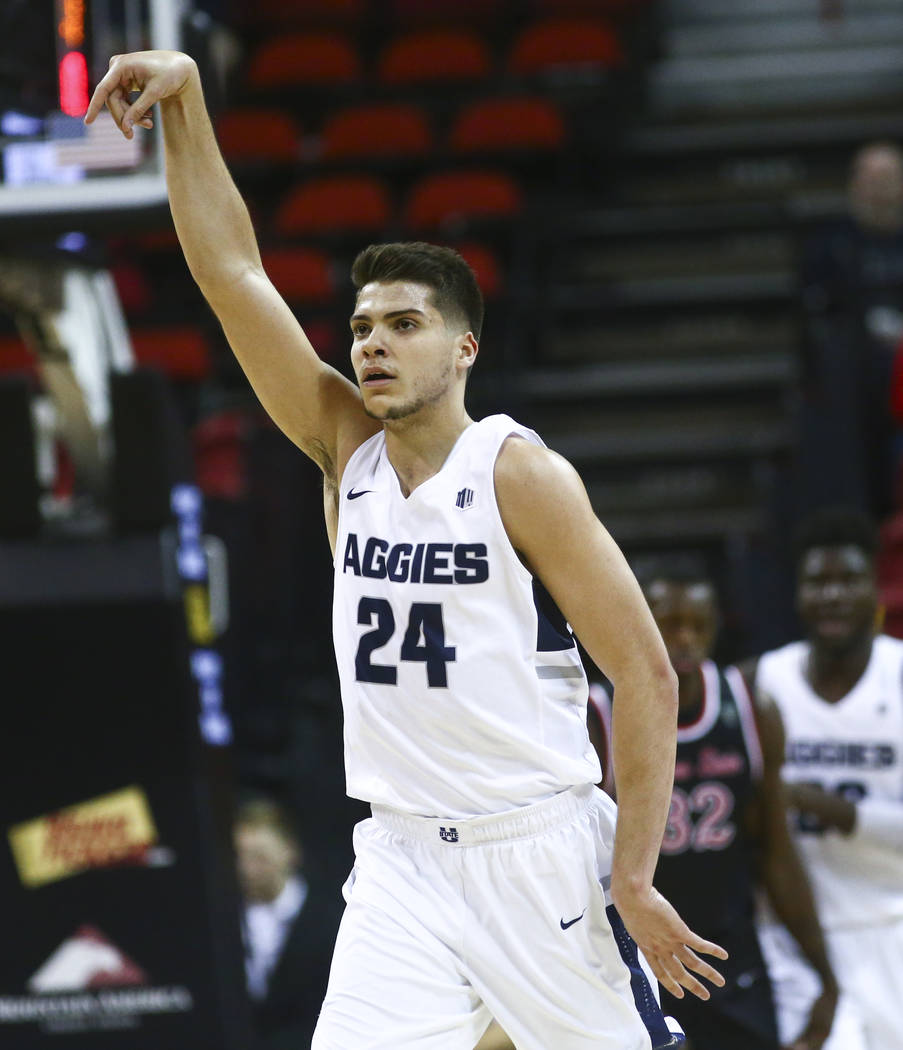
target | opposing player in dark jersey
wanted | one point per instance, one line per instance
(727, 831)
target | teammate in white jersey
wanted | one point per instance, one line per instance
(840, 693)
(487, 879)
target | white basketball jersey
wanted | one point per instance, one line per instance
(463, 690)
(854, 747)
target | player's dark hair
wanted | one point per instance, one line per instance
(456, 294)
(678, 570)
(836, 527)
(263, 812)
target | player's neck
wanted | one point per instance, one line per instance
(418, 445)
(832, 674)
(690, 691)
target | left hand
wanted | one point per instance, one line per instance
(668, 944)
(834, 811)
(818, 1027)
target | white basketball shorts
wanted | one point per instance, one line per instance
(448, 922)
(796, 986)
(868, 962)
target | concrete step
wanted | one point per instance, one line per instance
(779, 82)
(682, 12)
(757, 33)
(693, 375)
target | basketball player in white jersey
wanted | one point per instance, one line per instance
(487, 879)
(840, 693)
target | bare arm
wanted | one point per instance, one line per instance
(540, 498)
(785, 878)
(314, 405)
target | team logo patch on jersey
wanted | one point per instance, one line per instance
(464, 499)
(448, 834)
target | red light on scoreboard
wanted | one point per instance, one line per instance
(74, 84)
(73, 67)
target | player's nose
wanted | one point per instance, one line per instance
(374, 344)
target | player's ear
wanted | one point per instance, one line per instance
(468, 348)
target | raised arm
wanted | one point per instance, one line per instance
(783, 875)
(313, 404)
(551, 524)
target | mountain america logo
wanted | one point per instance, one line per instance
(86, 960)
(89, 984)
(464, 499)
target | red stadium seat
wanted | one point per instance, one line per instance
(324, 338)
(132, 285)
(565, 43)
(447, 198)
(485, 265)
(300, 274)
(447, 11)
(152, 241)
(299, 59)
(15, 356)
(889, 562)
(182, 352)
(335, 204)
(304, 12)
(258, 135)
(589, 7)
(429, 55)
(892, 600)
(220, 460)
(508, 123)
(376, 130)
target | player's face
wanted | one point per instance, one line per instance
(837, 596)
(404, 355)
(687, 619)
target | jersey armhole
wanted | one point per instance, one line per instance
(748, 726)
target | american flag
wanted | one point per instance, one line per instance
(97, 146)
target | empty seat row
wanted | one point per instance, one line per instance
(393, 129)
(471, 12)
(364, 204)
(432, 55)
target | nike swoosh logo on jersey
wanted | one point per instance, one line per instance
(354, 495)
(567, 925)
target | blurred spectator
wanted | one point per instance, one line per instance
(852, 279)
(289, 926)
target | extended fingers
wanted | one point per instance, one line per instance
(673, 975)
(109, 84)
(677, 972)
(699, 944)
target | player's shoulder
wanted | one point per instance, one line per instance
(781, 659)
(890, 645)
(522, 461)
(889, 651)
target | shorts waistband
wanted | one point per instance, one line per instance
(496, 827)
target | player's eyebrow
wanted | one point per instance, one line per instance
(390, 315)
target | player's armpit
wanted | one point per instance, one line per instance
(551, 523)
